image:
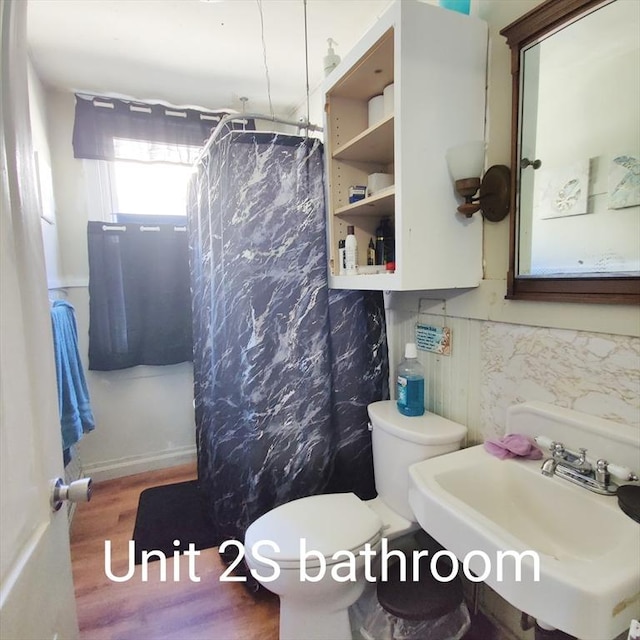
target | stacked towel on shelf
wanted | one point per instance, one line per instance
(76, 416)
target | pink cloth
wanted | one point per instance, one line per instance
(513, 445)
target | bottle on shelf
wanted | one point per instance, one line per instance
(371, 253)
(410, 383)
(385, 244)
(380, 244)
(351, 252)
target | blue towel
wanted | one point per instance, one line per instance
(76, 416)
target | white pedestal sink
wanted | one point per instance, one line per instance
(588, 549)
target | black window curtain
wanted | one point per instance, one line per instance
(103, 125)
(139, 296)
(139, 306)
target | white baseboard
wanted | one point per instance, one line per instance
(109, 469)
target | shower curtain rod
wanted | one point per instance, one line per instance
(254, 116)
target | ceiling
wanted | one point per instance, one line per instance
(205, 53)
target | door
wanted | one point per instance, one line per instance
(36, 587)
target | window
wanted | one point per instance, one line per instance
(149, 189)
(139, 296)
(130, 191)
(137, 161)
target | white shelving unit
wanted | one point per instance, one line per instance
(437, 61)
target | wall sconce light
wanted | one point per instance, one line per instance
(466, 162)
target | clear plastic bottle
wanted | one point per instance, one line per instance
(410, 383)
(351, 252)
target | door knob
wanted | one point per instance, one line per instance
(76, 491)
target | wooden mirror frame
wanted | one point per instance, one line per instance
(614, 289)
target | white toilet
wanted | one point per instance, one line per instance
(341, 522)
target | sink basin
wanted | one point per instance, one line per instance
(588, 549)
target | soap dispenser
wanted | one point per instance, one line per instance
(332, 59)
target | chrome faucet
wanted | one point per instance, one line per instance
(575, 468)
(549, 467)
(560, 456)
(580, 463)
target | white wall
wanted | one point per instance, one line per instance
(38, 117)
(144, 415)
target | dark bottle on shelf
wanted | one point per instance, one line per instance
(371, 253)
(385, 244)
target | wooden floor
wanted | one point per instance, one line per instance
(155, 610)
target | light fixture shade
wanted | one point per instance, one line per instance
(466, 160)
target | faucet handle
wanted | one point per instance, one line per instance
(544, 443)
(557, 449)
(601, 473)
(622, 473)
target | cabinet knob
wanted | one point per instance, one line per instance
(535, 164)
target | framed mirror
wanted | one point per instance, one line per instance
(575, 228)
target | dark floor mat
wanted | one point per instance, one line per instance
(171, 512)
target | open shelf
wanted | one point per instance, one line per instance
(377, 205)
(366, 282)
(415, 47)
(375, 144)
(372, 73)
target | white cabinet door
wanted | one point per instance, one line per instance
(36, 587)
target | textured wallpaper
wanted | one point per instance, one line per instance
(494, 365)
(595, 373)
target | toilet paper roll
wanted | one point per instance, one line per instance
(378, 181)
(388, 95)
(376, 109)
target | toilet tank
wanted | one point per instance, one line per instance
(399, 441)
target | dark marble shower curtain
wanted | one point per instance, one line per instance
(284, 368)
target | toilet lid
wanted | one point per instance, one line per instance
(327, 523)
(427, 429)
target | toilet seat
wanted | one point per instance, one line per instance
(329, 523)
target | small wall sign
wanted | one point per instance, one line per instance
(433, 339)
